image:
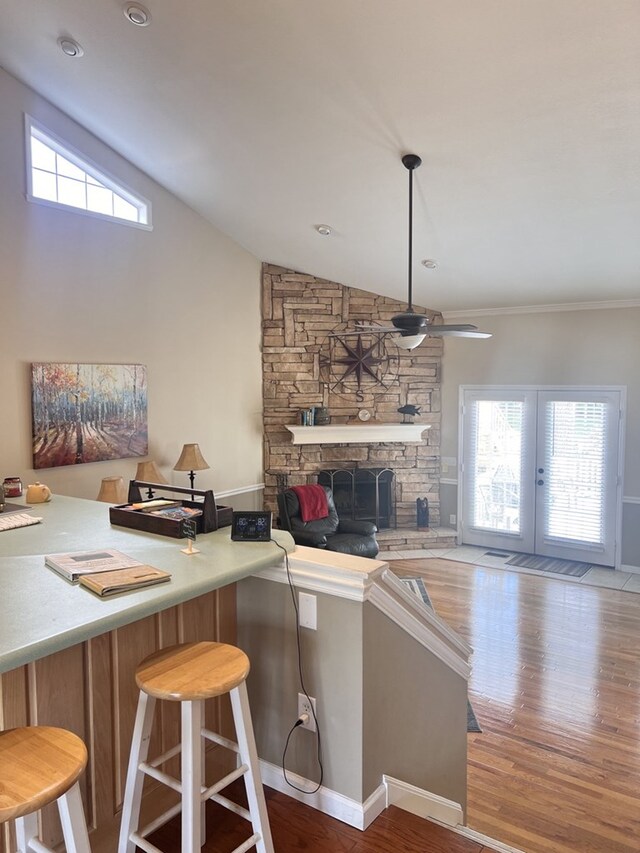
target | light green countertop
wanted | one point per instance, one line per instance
(41, 613)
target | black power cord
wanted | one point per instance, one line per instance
(299, 721)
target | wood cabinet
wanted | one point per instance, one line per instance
(90, 689)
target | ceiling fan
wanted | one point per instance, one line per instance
(413, 328)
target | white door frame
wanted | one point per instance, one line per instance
(502, 389)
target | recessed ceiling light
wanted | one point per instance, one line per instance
(324, 230)
(70, 47)
(429, 263)
(137, 14)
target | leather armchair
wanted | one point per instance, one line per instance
(347, 537)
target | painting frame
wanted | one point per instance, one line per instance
(87, 412)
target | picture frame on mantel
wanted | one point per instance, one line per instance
(87, 412)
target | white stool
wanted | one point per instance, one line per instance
(40, 764)
(189, 674)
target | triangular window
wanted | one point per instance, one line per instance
(58, 175)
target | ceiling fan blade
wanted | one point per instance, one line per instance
(444, 332)
(455, 327)
(461, 330)
(362, 330)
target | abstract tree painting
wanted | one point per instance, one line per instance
(88, 412)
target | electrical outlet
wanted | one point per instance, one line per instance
(305, 708)
(453, 520)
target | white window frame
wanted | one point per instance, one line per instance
(64, 149)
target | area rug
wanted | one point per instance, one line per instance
(548, 564)
(417, 587)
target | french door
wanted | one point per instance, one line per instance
(540, 471)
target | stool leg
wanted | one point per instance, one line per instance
(74, 825)
(26, 829)
(192, 818)
(249, 756)
(135, 778)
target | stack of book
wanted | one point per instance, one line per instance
(105, 572)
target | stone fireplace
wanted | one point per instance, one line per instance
(299, 313)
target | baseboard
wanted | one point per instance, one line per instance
(325, 800)
(392, 792)
(485, 840)
(422, 803)
(634, 570)
(439, 810)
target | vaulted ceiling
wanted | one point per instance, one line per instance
(270, 117)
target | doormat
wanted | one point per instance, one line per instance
(548, 564)
(417, 587)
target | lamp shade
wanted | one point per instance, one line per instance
(147, 472)
(112, 490)
(191, 459)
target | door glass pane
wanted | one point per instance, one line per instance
(496, 481)
(574, 476)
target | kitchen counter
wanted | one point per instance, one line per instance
(41, 613)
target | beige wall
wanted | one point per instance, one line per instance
(591, 347)
(415, 713)
(332, 664)
(182, 299)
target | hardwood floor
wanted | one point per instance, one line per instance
(556, 688)
(297, 827)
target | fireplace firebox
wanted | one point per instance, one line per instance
(366, 494)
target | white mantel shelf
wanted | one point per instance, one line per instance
(357, 433)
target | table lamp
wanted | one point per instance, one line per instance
(112, 490)
(191, 460)
(147, 472)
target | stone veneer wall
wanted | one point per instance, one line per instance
(298, 312)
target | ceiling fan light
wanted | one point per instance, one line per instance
(409, 342)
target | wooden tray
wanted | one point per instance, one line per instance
(213, 516)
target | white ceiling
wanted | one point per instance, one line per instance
(271, 116)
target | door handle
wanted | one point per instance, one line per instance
(541, 482)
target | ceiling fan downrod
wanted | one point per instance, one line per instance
(411, 162)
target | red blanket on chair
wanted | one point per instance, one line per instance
(313, 502)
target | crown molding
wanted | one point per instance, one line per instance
(542, 309)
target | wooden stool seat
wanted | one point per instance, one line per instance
(37, 765)
(40, 765)
(192, 671)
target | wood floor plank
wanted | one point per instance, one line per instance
(298, 828)
(556, 689)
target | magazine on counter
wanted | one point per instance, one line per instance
(123, 580)
(73, 565)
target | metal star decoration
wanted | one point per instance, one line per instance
(360, 360)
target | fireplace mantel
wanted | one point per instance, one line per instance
(357, 433)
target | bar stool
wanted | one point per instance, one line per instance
(40, 764)
(190, 673)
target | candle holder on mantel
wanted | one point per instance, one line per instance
(191, 460)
